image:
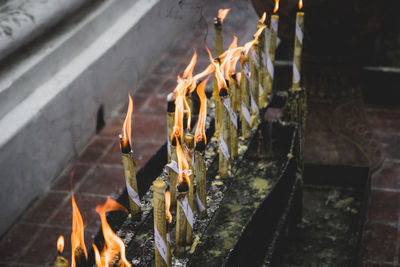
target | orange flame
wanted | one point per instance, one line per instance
(168, 214)
(262, 20)
(222, 14)
(200, 133)
(180, 99)
(217, 71)
(276, 6)
(188, 72)
(183, 164)
(230, 57)
(60, 244)
(77, 235)
(246, 48)
(300, 4)
(113, 246)
(126, 127)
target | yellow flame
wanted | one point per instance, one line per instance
(168, 214)
(114, 246)
(276, 6)
(200, 133)
(219, 76)
(77, 235)
(222, 14)
(262, 20)
(300, 4)
(126, 127)
(60, 244)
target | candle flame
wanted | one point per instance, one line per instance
(222, 14)
(217, 71)
(60, 244)
(77, 235)
(114, 246)
(188, 73)
(200, 133)
(300, 4)
(263, 17)
(277, 6)
(126, 127)
(183, 164)
(168, 214)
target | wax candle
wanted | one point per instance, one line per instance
(298, 47)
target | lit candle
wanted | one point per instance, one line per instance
(232, 111)
(161, 245)
(129, 164)
(184, 214)
(224, 137)
(298, 47)
(60, 261)
(199, 160)
(170, 122)
(222, 13)
(273, 34)
(244, 96)
(189, 153)
(261, 62)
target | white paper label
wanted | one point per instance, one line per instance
(169, 238)
(224, 147)
(227, 104)
(247, 71)
(188, 211)
(274, 25)
(246, 113)
(161, 246)
(169, 146)
(299, 33)
(132, 194)
(296, 73)
(199, 203)
(253, 52)
(173, 166)
(253, 103)
(263, 58)
(270, 67)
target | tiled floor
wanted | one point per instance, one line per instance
(381, 244)
(98, 170)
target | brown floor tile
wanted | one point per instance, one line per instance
(86, 206)
(379, 244)
(44, 207)
(149, 128)
(149, 86)
(144, 151)
(113, 128)
(155, 105)
(94, 150)
(384, 206)
(107, 181)
(388, 176)
(113, 156)
(390, 145)
(374, 264)
(62, 183)
(13, 243)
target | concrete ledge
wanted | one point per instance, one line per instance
(50, 126)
